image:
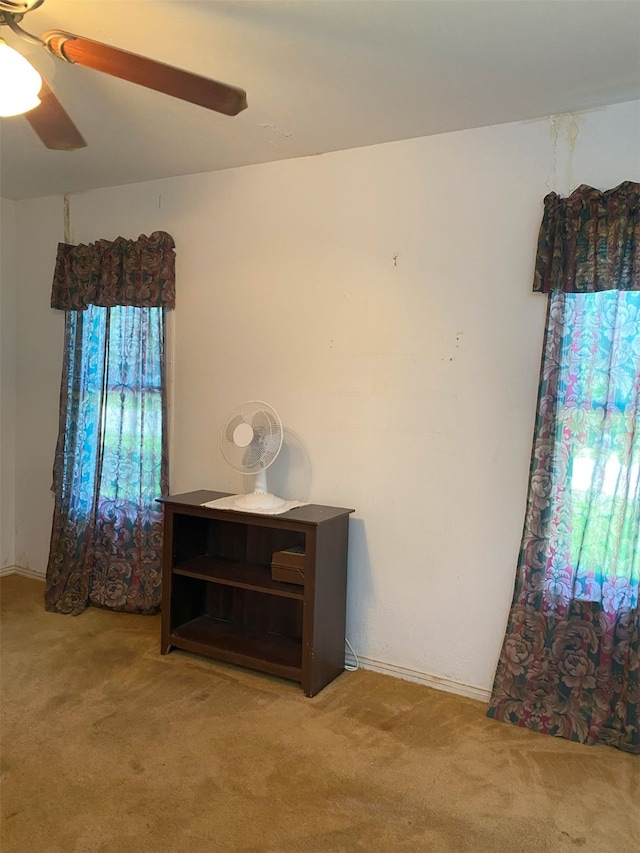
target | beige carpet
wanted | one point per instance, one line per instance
(107, 746)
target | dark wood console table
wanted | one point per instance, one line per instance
(219, 598)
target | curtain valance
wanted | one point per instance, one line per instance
(590, 241)
(139, 273)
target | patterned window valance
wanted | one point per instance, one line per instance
(590, 241)
(140, 273)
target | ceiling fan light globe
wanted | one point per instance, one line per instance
(20, 93)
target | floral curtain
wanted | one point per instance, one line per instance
(111, 458)
(590, 241)
(570, 660)
(123, 272)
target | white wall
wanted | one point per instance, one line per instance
(39, 335)
(381, 299)
(7, 381)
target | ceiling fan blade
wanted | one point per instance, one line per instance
(52, 124)
(147, 72)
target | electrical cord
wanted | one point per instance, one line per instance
(349, 667)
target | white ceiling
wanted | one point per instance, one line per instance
(320, 75)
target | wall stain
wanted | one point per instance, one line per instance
(564, 129)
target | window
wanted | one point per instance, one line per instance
(597, 437)
(118, 421)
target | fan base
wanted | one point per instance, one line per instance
(259, 501)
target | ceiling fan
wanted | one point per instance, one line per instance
(49, 118)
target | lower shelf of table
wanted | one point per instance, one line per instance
(271, 653)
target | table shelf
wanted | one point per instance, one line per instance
(281, 656)
(219, 599)
(244, 575)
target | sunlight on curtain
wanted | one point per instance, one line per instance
(596, 496)
(111, 467)
(121, 408)
(569, 664)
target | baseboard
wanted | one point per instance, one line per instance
(23, 571)
(435, 681)
(395, 671)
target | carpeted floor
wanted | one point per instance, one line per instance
(108, 747)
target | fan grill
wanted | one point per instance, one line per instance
(264, 445)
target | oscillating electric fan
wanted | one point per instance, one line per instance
(251, 439)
